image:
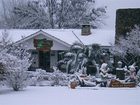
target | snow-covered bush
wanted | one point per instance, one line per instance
(16, 60)
(40, 71)
(16, 72)
(2, 71)
(4, 42)
(17, 79)
(58, 78)
(38, 76)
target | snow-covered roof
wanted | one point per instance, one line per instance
(98, 36)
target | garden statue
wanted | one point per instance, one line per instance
(73, 83)
(104, 70)
(120, 74)
(132, 74)
(120, 71)
(104, 74)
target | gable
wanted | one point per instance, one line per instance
(57, 44)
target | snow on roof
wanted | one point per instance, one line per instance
(98, 36)
(17, 34)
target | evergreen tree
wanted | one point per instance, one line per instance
(126, 19)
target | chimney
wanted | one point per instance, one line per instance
(85, 30)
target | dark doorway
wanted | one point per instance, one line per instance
(44, 60)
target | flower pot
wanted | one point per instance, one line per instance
(73, 85)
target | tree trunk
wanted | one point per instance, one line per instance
(51, 13)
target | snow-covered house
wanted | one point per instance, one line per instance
(61, 40)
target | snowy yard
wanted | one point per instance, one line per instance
(66, 96)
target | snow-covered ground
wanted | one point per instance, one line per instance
(66, 96)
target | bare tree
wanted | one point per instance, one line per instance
(128, 48)
(54, 14)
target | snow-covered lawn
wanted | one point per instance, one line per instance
(66, 96)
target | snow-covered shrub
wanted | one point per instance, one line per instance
(58, 78)
(43, 78)
(17, 79)
(2, 71)
(16, 61)
(41, 72)
(16, 72)
(5, 41)
(4, 57)
(38, 76)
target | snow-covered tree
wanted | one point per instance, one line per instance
(128, 48)
(77, 49)
(81, 59)
(54, 14)
(51, 7)
(7, 18)
(71, 59)
(73, 13)
(30, 15)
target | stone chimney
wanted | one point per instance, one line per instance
(85, 30)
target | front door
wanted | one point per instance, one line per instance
(44, 60)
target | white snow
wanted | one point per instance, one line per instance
(66, 96)
(98, 36)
